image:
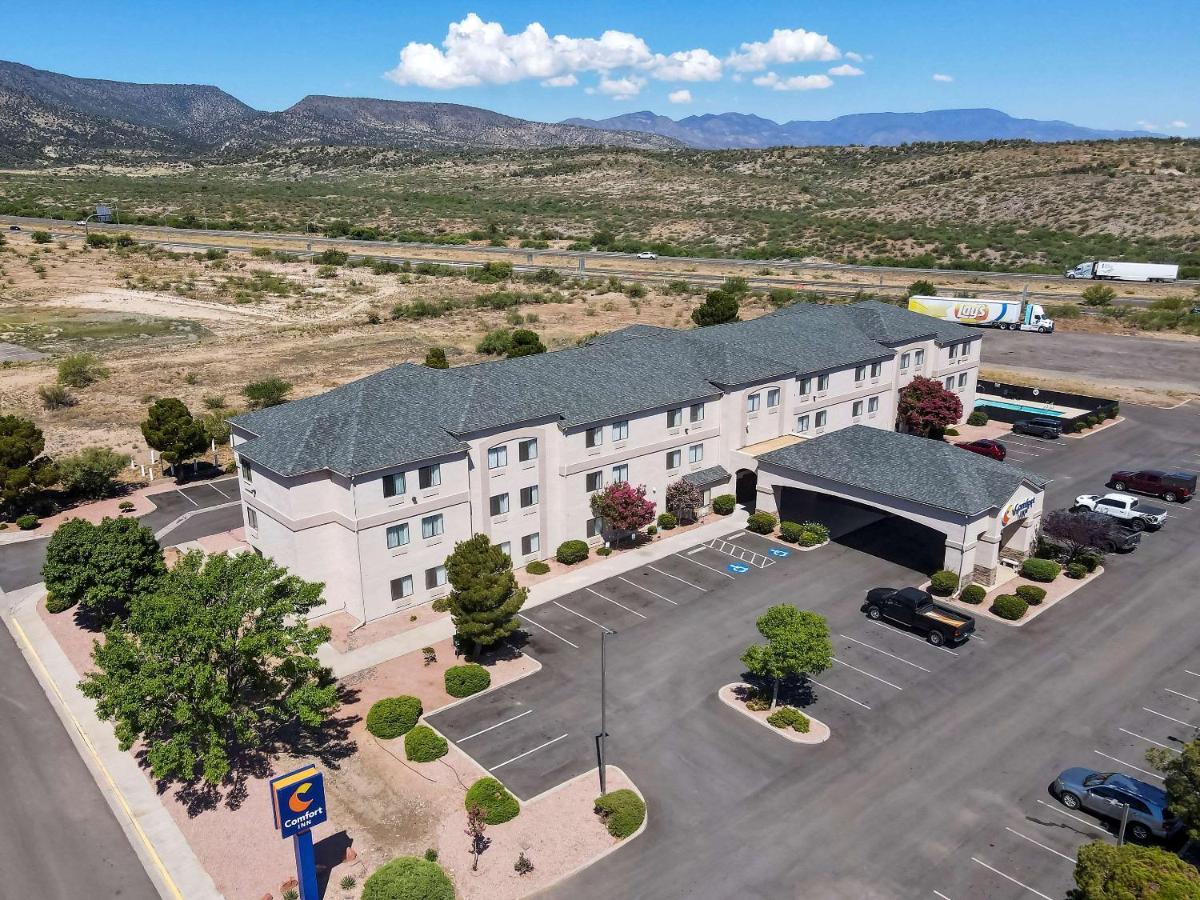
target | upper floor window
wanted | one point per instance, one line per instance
(498, 457)
(527, 450)
(594, 481)
(860, 372)
(962, 379)
(964, 351)
(822, 418)
(529, 496)
(772, 397)
(594, 437)
(675, 417)
(805, 386)
(876, 369)
(822, 382)
(919, 357)
(393, 485)
(498, 504)
(857, 409)
(953, 351)
(752, 401)
(435, 577)
(873, 404)
(252, 517)
(949, 381)
(432, 526)
(621, 472)
(247, 472)
(620, 431)
(674, 459)
(697, 412)
(397, 535)
(429, 476)
(905, 359)
(802, 424)
(695, 453)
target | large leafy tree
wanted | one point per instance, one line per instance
(23, 469)
(91, 472)
(102, 567)
(623, 507)
(217, 663)
(927, 408)
(1107, 872)
(1182, 777)
(683, 498)
(719, 306)
(170, 429)
(797, 645)
(486, 598)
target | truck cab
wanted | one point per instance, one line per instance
(1035, 319)
(1083, 270)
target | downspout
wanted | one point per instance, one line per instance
(362, 588)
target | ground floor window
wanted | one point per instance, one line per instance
(252, 517)
(531, 543)
(435, 577)
(402, 587)
(802, 424)
(506, 548)
(595, 527)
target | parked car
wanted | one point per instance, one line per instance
(646, 254)
(915, 609)
(1109, 535)
(1174, 487)
(1038, 426)
(985, 447)
(1125, 507)
(14, 227)
(1105, 795)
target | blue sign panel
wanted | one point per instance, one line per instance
(738, 568)
(780, 552)
(299, 801)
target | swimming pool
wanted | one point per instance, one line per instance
(1019, 407)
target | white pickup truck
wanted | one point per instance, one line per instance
(1126, 508)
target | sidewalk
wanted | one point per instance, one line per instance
(360, 658)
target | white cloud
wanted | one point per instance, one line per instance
(846, 71)
(1146, 126)
(854, 57)
(680, 96)
(568, 80)
(621, 88)
(795, 83)
(938, 76)
(686, 65)
(1179, 123)
(786, 45)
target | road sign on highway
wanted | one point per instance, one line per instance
(780, 552)
(738, 568)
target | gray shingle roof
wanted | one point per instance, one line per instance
(893, 325)
(905, 466)
(706, 477)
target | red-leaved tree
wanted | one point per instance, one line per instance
(927, 408)
(623, 507)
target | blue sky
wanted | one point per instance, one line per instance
(1092, 62)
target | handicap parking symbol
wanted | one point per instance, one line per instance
(738, 568)
(780, 552)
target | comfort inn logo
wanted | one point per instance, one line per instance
(1016, 511)
(298, 799)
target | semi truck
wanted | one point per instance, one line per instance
(1124, 271)
(1015, 315)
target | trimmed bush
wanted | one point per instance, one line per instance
(537, 567)
(950, 432)
(760, 523)
(789, 717)
(1031, 594)
(973, 593)
(1008, 606)
(723, 504)
(791, 532)
(814, 533)
(652, 530)
(667, 521)
(1040, 569)
(604, 551)
(393, 716)
(27, 522)
(1077, 570)
(622, 812)
(498, 805)
(408, 878)
(571, 552)
(423, 744)
(978, 417)
(126, 506)
(758, 701)
(943, 583)
(56, 604)
(1089, 561)
(463, 681)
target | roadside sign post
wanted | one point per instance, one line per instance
(298, 801)
(1124, 822)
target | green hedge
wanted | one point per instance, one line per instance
(604, 551)
(408, 878)
(973, 593)
(789, 717)
(791, 532)
(423, 744)
(27, 522)
(978, 417)
(667, 521)
(1031, 594)
(723, 504)
(463, 681)
(58, 604)
(498, 805)
(1008, 606)
(622, 812)
(393, 716)
(1040, 569)
(761, 523)
(813, 534)
(537, 567)
(1077, 570)
(943, 583)
(571, 552)
(1090, 561)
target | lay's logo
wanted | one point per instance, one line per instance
(972, 312)
(298, 799)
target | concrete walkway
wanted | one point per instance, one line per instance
(381, 651)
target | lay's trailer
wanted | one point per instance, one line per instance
(1014, 315)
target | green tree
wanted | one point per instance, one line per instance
(486, 598)
(1107, 872)
(218, 662)
(170, 429)
(104, 567)
(216, 426)
(435, 358)
(797, 646)
(23, 469)
(90, 472)
(921, 288)
(1098, 295)
(79, 370)
(1182, 777)
(525, 343)
(41, 237)
(718, 307)
(268, 392)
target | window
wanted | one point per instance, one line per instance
(697, 412)
(962, 379)
(805, 387)
(498, 457)
(402, 587)
(772, 397)
(822, 382)
(675, 417)
(531, 543)
(822, 418)
(620, 431)
(856, 410)
(595, 527)
(594, 481)
(876, 369)
(252, 517)
(873, 404)
(919, 357)
(499, 504)
(860, 372)
(397, 535)
(674, 459)
(435, 577)
(752, 401)
(247, 472)
(527, 450)
(505, 548)
(432, 526)
(949, 382)
(953, 348)
(594, 437)
(529, 496)
(429, 476)
(695, 453)
(621, 472)
(801, 424)
(905, 359)
(393, 485)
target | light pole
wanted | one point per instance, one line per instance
(601, 738)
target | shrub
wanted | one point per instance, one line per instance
(603, 551)
(1040, 569)
(522, 866)
(1077, 570)
(57, 603)
(1089, 561)
(757, 701)
(498, 805)
(943, 583)
(463, 681)
(1031, 594)
(348, 881)
(791, 532)
(571, 552)
(723, 504)
(789, 717)
(667, 521)
(126, 506)
(27, 522)
(1007, 606)
(442, 604)
(431, 854)
(978, 417)
(408, 878)
(950, 432)
(55, 396)
(760, 523)
(423, 744)
(393, 716)
(537, 567)
(41, 237)
(973, 593)
(814, 533)
(651, 530)
(1098, 295)
(622, 812)
(79, 370)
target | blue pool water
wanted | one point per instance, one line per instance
(1019, 407)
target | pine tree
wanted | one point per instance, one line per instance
(486, 598)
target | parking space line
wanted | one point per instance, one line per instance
(940, 894)
(1149, 740)
(615, 603)
(1184, 696)
(527, 752)
(647, 590)
(219, 491)
(186, 497)
(1079, 819)
(582, 616)
(702, 565)
(490, 727)
(912, 637)
(677, 578)
(1170, 718)
(1069, 859)
(839, 693)
(1129, 765)
(1010, 878)
(547, 630)
(886, 653)
(868, 674)
(1190, 672)
(743, 553)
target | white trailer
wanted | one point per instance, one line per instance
(1015, 315)
(1124, 271)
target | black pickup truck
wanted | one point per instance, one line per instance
(915, 609)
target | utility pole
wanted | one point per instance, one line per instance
(601, 738)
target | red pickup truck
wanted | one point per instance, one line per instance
(1174, 487)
